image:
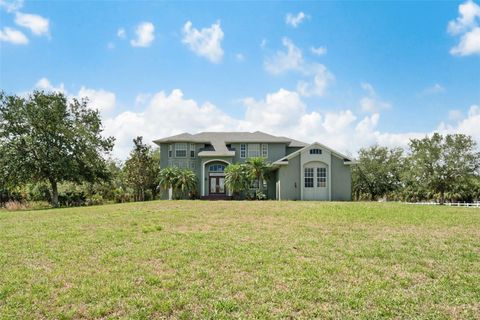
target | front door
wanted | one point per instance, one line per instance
(217, 185)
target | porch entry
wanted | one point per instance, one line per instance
(217, 183)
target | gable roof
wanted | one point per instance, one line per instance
(284, 160)
(220, 139)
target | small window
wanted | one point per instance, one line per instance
(216, 168)
(265, 150)
(253, 150)
(321, 177)
(192, 150)
(170, 150)
(308, 177)
(315, 151)
(180, 150)
(243, 151)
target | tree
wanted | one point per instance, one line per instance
(168, 179)
(142, 169)
(186, 181)
(45, 137)
(442, 164)
(258, 167)
(378, 172)
(236, 178)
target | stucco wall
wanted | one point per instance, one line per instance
(289, 177)
(341, 180)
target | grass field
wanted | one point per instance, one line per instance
(193, 259)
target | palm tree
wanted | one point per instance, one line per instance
(236, 178)
(168, 179)
(258, 168)
(186, 181)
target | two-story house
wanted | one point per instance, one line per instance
(301, 171)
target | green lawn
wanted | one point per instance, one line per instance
(192, 259)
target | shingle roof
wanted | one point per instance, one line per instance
(220, 139)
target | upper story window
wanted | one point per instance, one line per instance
(170, 150)
(243, 151)
(315, 151)
(253, 150)
(192, 150)
(265, 150)
(180, 150)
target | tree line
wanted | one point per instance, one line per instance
(436, 168)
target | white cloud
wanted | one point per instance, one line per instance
(102, 100)
(121, 33)
(13, 36)
(469, 43)
(12, 5)
(144, 35)
(320, 51)
(283, 61)
(44, 84)
(466, 26)
(292, 60)
(206, 42)
(38, 25)
(434, 89)
(295, 20)
(321, 79)
(372, 102)
(469, 125)
(263, 43)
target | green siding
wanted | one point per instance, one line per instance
(289, 177)
(341, 180)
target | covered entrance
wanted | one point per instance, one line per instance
(213, 173)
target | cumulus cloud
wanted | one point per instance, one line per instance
(466, 25)
(372, 102)
(100, 99)
(283, 61)
(206, 42)
(292, 60)
(38, 25)
(295, 20)
(13, 36)
(144, 35)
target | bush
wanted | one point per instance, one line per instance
(15, 205)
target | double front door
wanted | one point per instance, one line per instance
(217, 184)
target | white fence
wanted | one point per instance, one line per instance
(450, 204)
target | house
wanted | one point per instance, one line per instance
(301, 171)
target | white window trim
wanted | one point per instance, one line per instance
(244, 151)
(177, 148)
(264, 147)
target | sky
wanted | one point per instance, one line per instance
(347, 74)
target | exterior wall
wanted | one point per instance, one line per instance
(275, 152)
(290, 150)
(289, 178)
(341, 180)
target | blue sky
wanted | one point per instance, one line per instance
(347, 74)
